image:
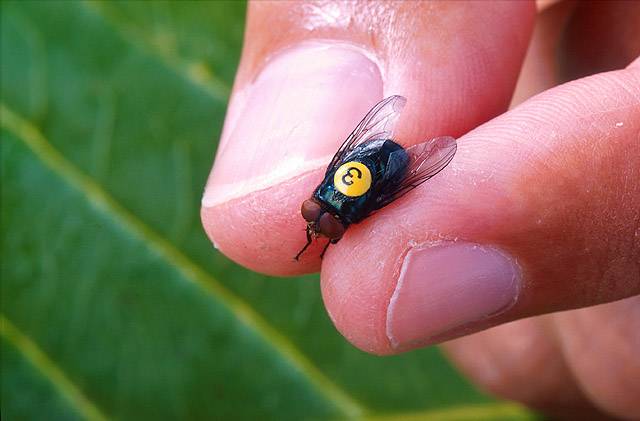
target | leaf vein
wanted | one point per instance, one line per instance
(41, 361)
(197, 73)
(100, 199)
(494, 410)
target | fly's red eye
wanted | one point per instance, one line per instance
(310, 210)
(330, 227)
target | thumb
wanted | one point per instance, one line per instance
(539, 212)
(310, 71)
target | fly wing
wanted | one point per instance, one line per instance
(377, 124)
(425, 160)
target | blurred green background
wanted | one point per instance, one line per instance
(114, 303)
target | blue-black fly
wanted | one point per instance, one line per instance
(369, 171)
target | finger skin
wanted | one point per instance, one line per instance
(457, 62)
(563, 364)
(576, 362)
(601, 345)
(553, 183)
(541, 67)
(522, 361)
(600, 36)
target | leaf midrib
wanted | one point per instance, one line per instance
(99, 198)
(208, 81)
(41, 361)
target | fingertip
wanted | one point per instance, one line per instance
(355, 285)
(263, 230)
(280, 132)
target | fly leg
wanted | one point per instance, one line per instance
(305, 246)
(332, 241)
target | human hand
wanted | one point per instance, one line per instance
(538, 212)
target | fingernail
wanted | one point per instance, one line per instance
(447, 286)
(292, 117)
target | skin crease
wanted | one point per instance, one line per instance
(538, 182)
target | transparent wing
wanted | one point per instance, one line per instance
(377, 124)
(425, 160)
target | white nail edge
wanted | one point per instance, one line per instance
(287, 170)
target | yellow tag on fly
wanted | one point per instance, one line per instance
(352, 179)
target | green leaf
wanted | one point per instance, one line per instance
(114, 304)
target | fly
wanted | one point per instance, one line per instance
(369, 171)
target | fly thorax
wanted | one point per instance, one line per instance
(352, 179)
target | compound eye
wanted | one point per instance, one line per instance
(330, 227)
(310, 210)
